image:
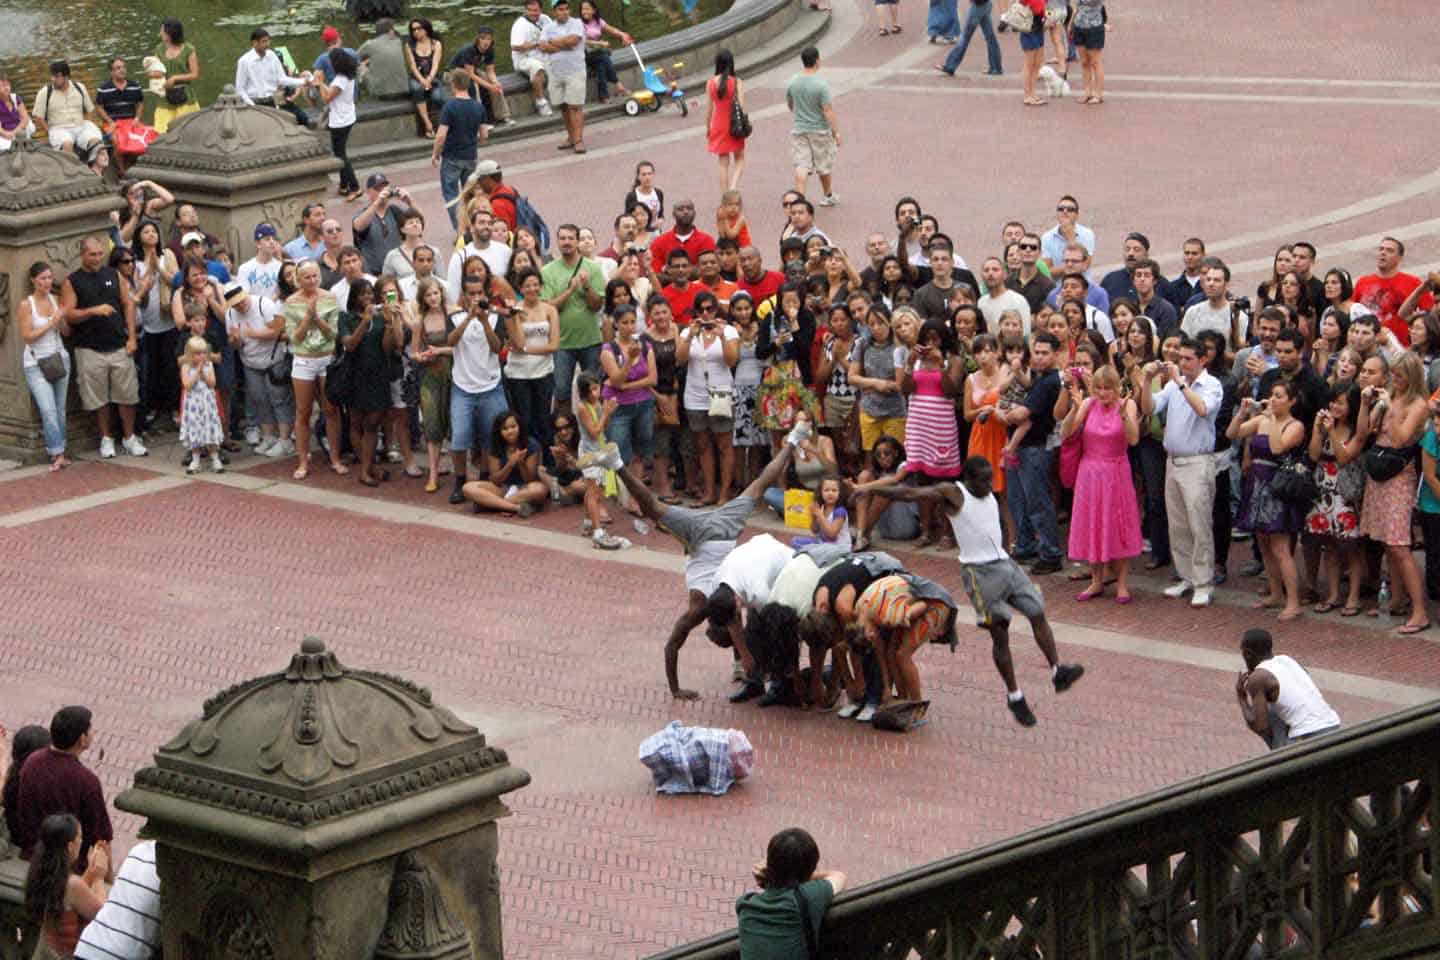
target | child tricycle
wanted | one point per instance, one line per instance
(660, 85)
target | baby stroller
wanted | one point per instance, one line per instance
(660, 85)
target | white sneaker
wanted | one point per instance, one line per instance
(215, 465)
(866, 715)
(107, 448)
(252, 437)
(194, 465)
(848, 711)
(1178, 590)
(1201, 598)
(281, 448)
(134, 447)
(393, 455)
(542, 107)
(262, 449)
(829, 200)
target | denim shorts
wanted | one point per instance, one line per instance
(1089, 38)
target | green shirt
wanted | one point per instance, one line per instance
(174, 65)
(769, 920)
(578, 326)
(1429, 503)
(808, 96)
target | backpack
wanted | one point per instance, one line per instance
(528, 217)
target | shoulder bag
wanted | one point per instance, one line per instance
(1019, 17)
(1386, 463)
(740, 127)
(1294, 481)
(53, 366)
(340, 376)
(807, 925)
(722, 399)
(278, 372)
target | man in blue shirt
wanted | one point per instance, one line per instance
(1075, 261)
(1028, 485)
(1190, 403)
(1120, 284)
(309, 244)
(462, 126)
(331, 38)
(194, 245)
(1067, 230)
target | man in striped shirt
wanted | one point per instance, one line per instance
(128, 925)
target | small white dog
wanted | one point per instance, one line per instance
(1052, 83)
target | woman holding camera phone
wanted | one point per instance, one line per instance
(370, 333)
(710, 349)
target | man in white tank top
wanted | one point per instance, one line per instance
(1278, 699)
(996, 585)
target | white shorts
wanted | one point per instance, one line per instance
(82, 137)
(528, 66)
(567, 91)
(309, 369)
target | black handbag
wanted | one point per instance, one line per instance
(52, 366)
(1294, 481)
(740, 127)
(1386, 463)
(278, 372)
(178, 95)
(340, 378)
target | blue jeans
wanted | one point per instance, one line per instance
(586, 358)
(50, 401)
(979, 16)
(1027, 491)
(453, 175)
(632, 427)
(531, 401)
(472, 416)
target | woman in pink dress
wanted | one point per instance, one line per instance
(721, 91)
(1105, 519)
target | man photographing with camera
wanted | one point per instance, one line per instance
(377, 225)
(477, 396)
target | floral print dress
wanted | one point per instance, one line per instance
(1336, 512)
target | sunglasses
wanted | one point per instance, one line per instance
(708, 308)
(1029, 246)
(1066, 208)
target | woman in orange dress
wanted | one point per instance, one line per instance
(723, 90)
(981, 401)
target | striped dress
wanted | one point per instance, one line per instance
(932, 442)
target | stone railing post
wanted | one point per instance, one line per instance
(239, 164)
(49, 201)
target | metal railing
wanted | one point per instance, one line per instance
(1323, 850)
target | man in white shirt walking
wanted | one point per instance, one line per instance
(260, 77)
(1278, 699)
(997, 586)
(1190, 403)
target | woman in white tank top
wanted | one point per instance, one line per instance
(41, 326)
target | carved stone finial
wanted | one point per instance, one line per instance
(419, 925)
(37, 176)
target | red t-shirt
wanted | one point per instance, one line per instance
(767, 286)
(502, 206)
(1385, 294)
(682, 302)
(695, 244)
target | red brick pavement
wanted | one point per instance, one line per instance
(81, 479)
(559, 658)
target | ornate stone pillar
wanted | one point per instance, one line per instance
(323, 812)
(240, 165)
(49, 201)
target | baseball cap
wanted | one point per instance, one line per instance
(329, 35)
(487, 168)
(264, 230)
(376, 180)
(234, 294)
(194, 236)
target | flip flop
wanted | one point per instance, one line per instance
(1287, 617)
(301, 473)
(370, 481)
(671, 499)
(1324, 607)
(414, 473)
(1412, 629)
(1037, 103)
(1349, 611)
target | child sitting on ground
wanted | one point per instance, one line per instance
(783, 919)
(829, 521)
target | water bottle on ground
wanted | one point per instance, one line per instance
(1382, 601)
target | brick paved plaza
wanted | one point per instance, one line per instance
(139, 591)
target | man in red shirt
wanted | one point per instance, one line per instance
(707, 269)
(683, 236)
(502, 195)
(678, 291)
(1387, 288)
(754, 278)
(54, 780)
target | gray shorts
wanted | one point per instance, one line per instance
(700, 421)
(695, 526)
(998, 589)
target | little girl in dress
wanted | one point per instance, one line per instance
(199, 413)
(1013, 395)
(829, 521)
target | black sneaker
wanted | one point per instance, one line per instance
(1043, 566)
(749, 690)
(456, 496)
(1021, 709)
(1066, 675)
(774, 694)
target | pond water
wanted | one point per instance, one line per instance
(87, 32)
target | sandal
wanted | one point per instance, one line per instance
(895, 29)
(670, 498)
(884, 31)
(1349, 611)
(300, 473)
(1284, 617)
(925, 541)
(1037, 102)
(1412, 629)
(340, 469)
(414, 472)
(1324, 607)
(370, 481)
(431, 486)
